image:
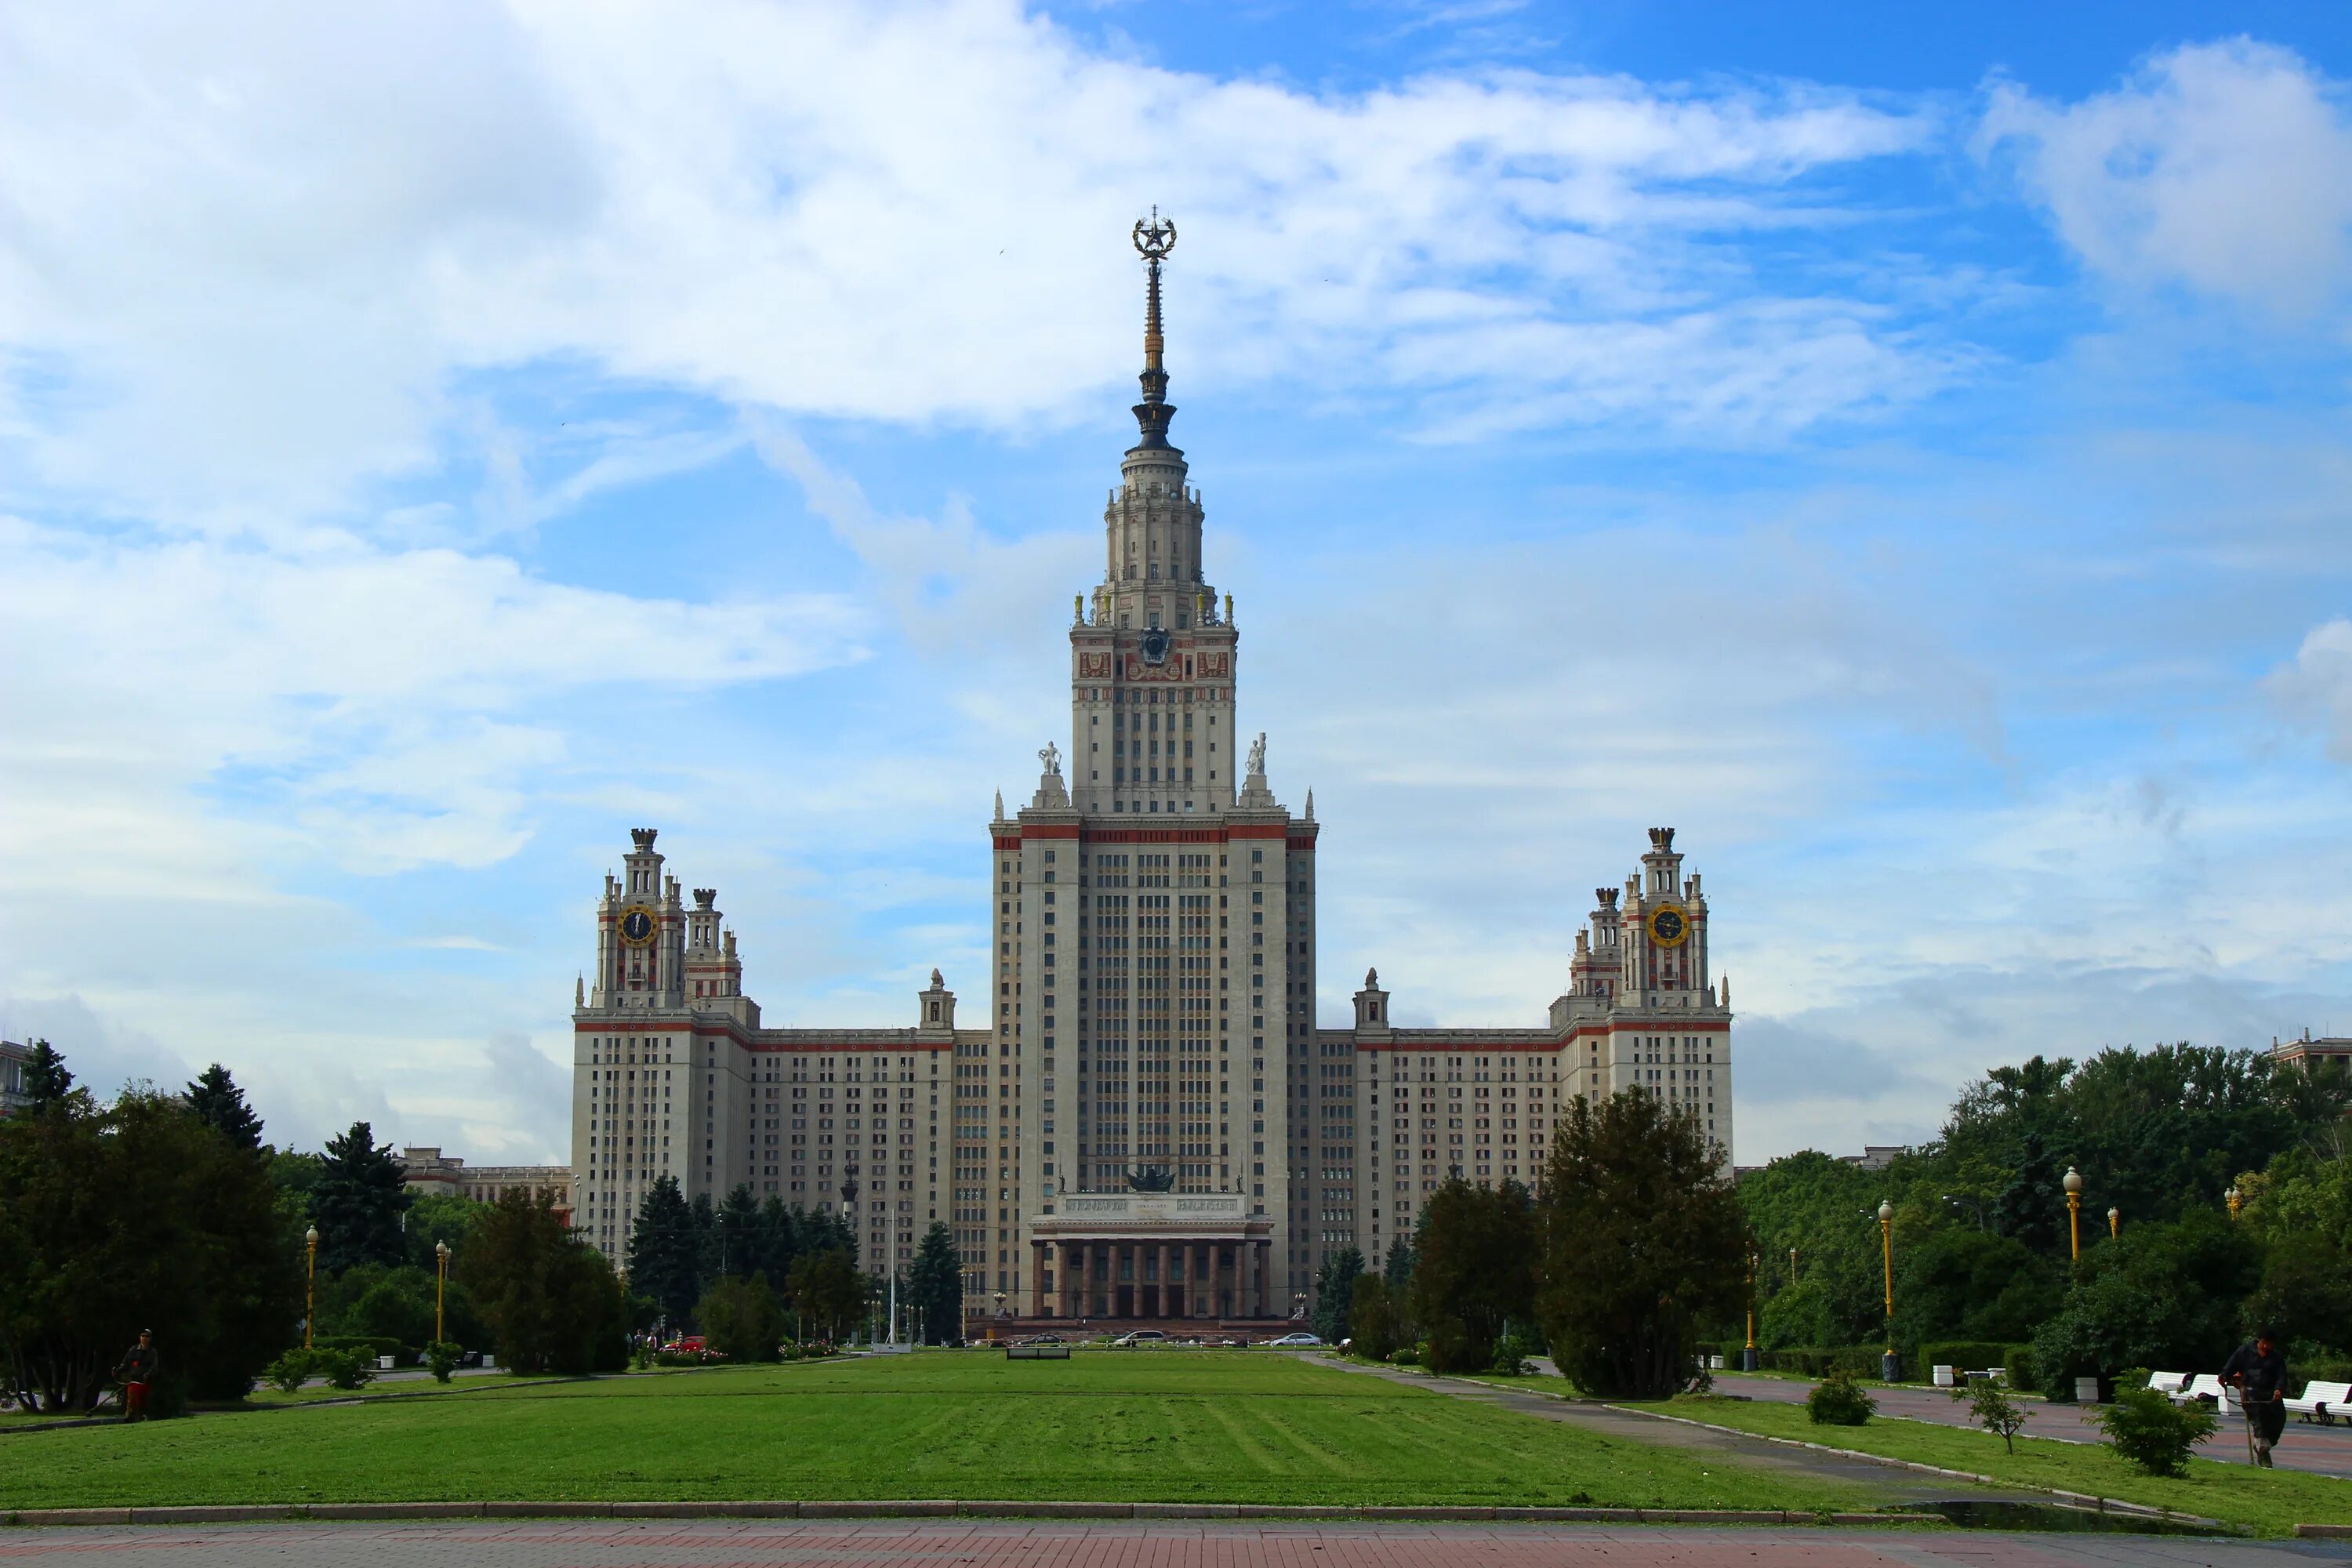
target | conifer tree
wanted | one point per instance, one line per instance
(666, 1250)
(218, 1103)
(46, 1081)
(357, 1200)
(935, 1282)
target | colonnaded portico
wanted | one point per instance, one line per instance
(1157, 1256)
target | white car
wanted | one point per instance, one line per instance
(1295, 1340)
(1141, 1336)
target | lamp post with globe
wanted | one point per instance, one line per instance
(1890, 1365)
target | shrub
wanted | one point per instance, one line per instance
(441, 1358)
(2152, 1432)
(291, 1370)
(1839, 1401)
(2018, 1368)
(1404, 1355)
(343, 1369)
(1994, 1410)
(368, 1345)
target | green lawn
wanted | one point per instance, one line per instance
(2271, 1502)
(1175, 1426)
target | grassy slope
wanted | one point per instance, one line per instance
(2268, 1500)
(1172, 1426)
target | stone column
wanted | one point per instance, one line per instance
(1184, 1284)
(1165, 1310)
(1036, 1279)
(1264, 1251)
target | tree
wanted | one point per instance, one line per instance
(551, 1300)
(137, 1216)
(46, 1081)
(2161, 1296)
(740, 1319)
(1334, 1290)
(1375, 1324)
(829, 1292)
(777, 1242)
(357, 1200)
(666, 1250)
(218, 1103)
(1642, 1242)
(1474, 1270)
(1991, 1407)
(1398, 1269)
(737, 1228)
(935, 1287)
(435, 1218)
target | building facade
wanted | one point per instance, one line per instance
(428, 1170)
(14, 1058)
(1143, 1118)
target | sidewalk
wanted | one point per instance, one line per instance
(2315, 1450)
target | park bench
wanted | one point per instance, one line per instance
(1036, 1353)
(2322, 1402)
(2205, 1385)
(2168, 1384)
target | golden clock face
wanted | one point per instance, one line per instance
(638, 925)
(1669, 927)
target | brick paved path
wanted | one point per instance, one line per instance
(1013, 1544)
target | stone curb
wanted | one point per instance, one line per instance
(2324, 1531)
(248, 1513)
(2109, 1505)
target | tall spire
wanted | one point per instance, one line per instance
(1153, 240)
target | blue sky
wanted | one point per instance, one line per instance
(1910, 457)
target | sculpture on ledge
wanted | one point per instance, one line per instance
(1151, 1179)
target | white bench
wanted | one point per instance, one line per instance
(2209, 1388)
(2169, 1384)
(2322, 1402)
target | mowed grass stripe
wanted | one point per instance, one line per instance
(1165, 1427)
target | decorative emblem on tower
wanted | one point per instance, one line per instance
(1154, 239)
(1669, 927)
(638, 924)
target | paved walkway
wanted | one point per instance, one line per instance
(2319, 1450)
(1883, 1482)
(1016, 1544)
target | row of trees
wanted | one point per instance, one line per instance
(1623, 1257)
(746, 1271)
(168, 1212)
(1983, 1244)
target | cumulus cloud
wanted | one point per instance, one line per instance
(2223, 167)
(2316, 689)
(247, 253)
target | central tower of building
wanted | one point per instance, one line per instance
(1154, 973)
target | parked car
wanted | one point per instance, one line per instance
(1040, 1340)
(1141, 1336)
(1295, 1340)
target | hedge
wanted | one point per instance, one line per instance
(370, 1346)
(1819, 1361)
(1968, 1355)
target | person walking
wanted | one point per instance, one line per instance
(2258, 1372)
(137, 1371)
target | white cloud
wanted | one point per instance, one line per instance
(369, 702)
(2226, 167)
(246, 252)
(2316, 688)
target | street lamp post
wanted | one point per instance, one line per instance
(1748, 1361)
(440, 1287)
(2074, 1184)
(310, 1286)
(1890, 1366)
(2114, 1222)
